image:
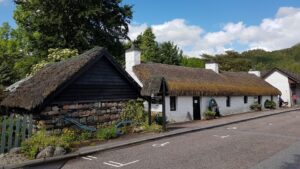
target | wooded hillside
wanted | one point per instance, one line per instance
(288, 59)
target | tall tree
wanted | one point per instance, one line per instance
(149, 47)
(169, 54)
(74, 24)
(10, 51)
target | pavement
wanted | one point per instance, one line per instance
(272, 142)
(176, 131)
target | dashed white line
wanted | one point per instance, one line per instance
(160, 145)
(222, 136)
(232, 128)
(86, 158)
(92, 157)
(117, 165)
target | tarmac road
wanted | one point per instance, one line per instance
(270, 143)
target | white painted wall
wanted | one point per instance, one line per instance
(184, 106)
(184, 109)
(237, 104)
(281, 82)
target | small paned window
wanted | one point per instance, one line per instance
(245, 99)
(172, 103)
(228, 101)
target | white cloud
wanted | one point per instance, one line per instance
(279, 32)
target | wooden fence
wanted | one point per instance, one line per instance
(14, 129)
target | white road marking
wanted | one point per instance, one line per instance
(92, 157)
(117, 165)
(160, 145)
(232, 128)
(222, 136)
(86, 158)
(270, 124)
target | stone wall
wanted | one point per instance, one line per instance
(91, 114)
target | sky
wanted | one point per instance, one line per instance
(211, 26)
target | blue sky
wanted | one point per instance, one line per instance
(209, 14)
(211, 26)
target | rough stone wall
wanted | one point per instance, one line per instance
(91, 114)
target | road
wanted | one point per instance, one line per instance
(270, 143)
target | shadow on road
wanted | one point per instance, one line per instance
(293, 165)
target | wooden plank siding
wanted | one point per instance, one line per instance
(102, 82)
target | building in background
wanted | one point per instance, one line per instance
(287, 82)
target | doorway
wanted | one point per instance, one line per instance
(196, 108)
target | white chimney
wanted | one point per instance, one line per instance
(132, 58)
(255, 72)
(212, 66)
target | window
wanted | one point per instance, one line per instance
(259, 99)
(245, 99)
(172, 103)
(228, 101)
(271, 98)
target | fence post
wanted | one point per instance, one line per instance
(10, 131)
(17, 132)
(3, 135)
(23, 128)
(30, 126)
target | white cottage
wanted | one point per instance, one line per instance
(189, 90)
(287, 82)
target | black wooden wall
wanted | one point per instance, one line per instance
(102, 82)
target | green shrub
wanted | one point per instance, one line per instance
(209, 115)
(269, 104)
(69, 135)
(127, 129)
(134, 111)
(255, 106)
(159, 119)
(107, 133)
(85, 136)
(41, 140)
(152, 128)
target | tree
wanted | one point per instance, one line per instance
(192, 62)
(6, 74)
(149, 47)
(55, 55)
(10, 51)
(169, 54)
(73, 24)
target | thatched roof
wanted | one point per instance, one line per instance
(184, 81)
(291, 75)
(40, 88)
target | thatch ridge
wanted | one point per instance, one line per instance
(184, 81)
(33, 92)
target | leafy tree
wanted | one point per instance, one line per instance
(6, 74)
(73, 24)
(149, 47)
(192, 62)
(10, 51)
(169, 54)
(55, 55)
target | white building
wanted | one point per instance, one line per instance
(189, 90)
(287, 82)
